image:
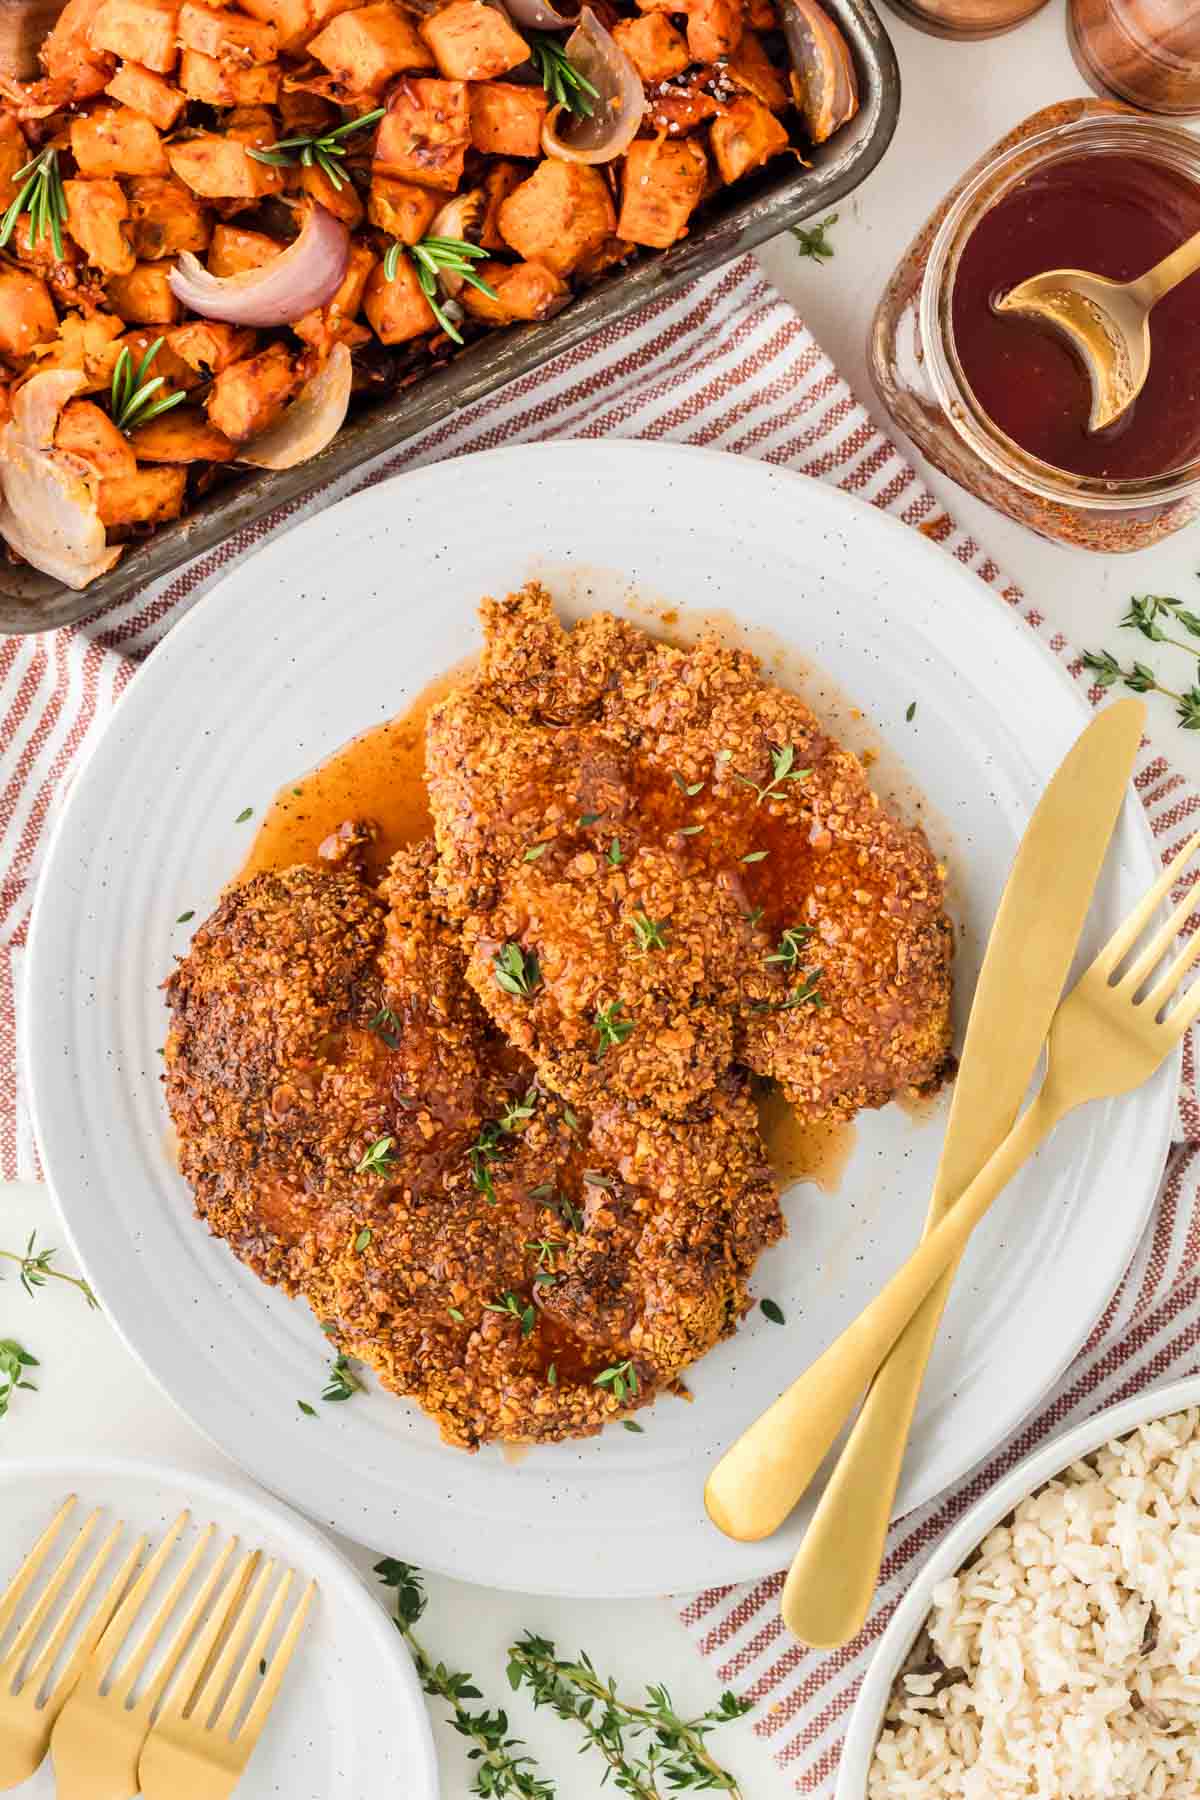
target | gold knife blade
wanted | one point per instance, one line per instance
(1042, 910)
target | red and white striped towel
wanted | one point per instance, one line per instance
(729, 365)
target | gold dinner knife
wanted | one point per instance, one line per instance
(1037, 928)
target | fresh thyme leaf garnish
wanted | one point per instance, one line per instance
(813, 241)
(805, 993)
(790, 945)
(34, 1270)
(614, 853)
(247, 812)
(14, 1360)
(753, 856)
(378, 1159)
(536, 850)
(1145, 611)
(42, 197)
(321, 151)
(772, 1310)
(363, 1239)
(343, 1382)
(593, 1178)
(517, 1110)
(552, 1375)
(429, 257)
(783, 757)
(547, 1249)
(910, 711)
(386, 1025)
(456, 1315)
(690, 830)
(132, 402)
(690, 788)
(621, 1378)
(185, 916)
(570, 1214)
(486, 1148)
(310, 1412)
(650, 933)
(632, 1425)
(516, 971)
(590, 818)
(611, 1028)
(501, 1771)
(651, 1751)
(569, 1119)
(566, 85)
(524, 1315)
(753, 916)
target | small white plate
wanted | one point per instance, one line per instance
(335, 626)
(1115, 1422)
(349, 1719)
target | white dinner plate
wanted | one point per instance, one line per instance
(349, 1720)
(334, 627)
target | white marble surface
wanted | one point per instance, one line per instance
(957, 100)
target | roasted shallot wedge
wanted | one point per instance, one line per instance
(824, 83)
(312, 420)
(301, 278)
(609, 129)
(48, 510)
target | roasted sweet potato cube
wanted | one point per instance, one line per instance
(523, 290)
(752, 69)
(144, 31)
(40, 254)
(96, 218)
(220, 83)
(208, 347)
(425, 132)
(401, 208)
(67, 55)
(86, 430)
(250, 395)
(745, 137)
(234, 249)
(182, 435)
(499, 181)
(473, 41)
(27, 315)
(115, 140)
(654, 47)
(14, 154)
(144, 296)
(397, 309)
(87, 344)
(216, 31)
(326, 324)
(343, 202)
(293, 20)
(714, 29)
(148, 93)
(661, 187)
(367, 48)
(218, 168)
(558, 215)
(147, 497)
(166, 218)
(506, 118)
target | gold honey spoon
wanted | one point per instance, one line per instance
(1106, 322)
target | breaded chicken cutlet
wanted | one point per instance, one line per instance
(684, 870)
(359, 1131)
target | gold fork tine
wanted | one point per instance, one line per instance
(1130, 930)
(256, 1718)
(194, 1671)
(214, 1687)
(54, 1587)
(118, 1630)
(1144, 963)
(228, 1715)
(79, 1599)
(16, 1589)
(124, 1686)
(1168, 983)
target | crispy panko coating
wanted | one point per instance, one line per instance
(689, 870)
(358, 1130)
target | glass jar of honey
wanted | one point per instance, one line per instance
(999, 404)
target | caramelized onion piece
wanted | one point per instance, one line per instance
(48, 507)
(824, 84)
(618, 107)
(539, 15)
(312, 420)
(299, 279)
(459, 218)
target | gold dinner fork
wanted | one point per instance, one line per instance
(26, 1716)
(1113, 1030)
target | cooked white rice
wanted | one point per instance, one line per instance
(1064, 1660)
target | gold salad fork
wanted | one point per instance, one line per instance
(1113, 1030)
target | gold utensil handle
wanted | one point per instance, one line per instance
(759, 1480)
(1167, 274)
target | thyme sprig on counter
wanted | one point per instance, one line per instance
(566, 85)
(651, 1750)
(14, 1361)
(1141, 679)
(1150, 614)
(783, 769)
(502, 1769)
(42, 196)
(813, 241)
(35, 1270)
(320, 150)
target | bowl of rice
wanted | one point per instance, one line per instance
(1051, 1645)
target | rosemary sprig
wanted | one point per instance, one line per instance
(611, 1028)
(1143, 680)
(783, 758)
(42, 197)
(651, 1751)
(34, 1270)
(502, 1769)
(132, 402)
(566, 85)
(791, 945)
(517, 971)
(813, 241)
(429, 258)
(321, 150)
(509, 1304)
(650, 934)
(14, 1360)
(377, 1159)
